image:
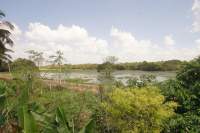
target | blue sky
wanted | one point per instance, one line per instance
(145, 20)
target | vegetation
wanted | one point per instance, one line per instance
(5, 40)
(138, 110)
(185, 91)
(170, 65)
(57, 59)
(29, 105)
(142, 81)
(36, 57)
(106, 70)
(76, 80)
(24, 69)
(33, 112)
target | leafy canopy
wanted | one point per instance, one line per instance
(185, 90)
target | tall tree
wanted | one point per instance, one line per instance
(57, 59)
(36, 57)
(106, 69)
(110, 59)
(5, 28)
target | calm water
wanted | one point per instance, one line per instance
(124, 75)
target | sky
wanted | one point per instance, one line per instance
(88, 31)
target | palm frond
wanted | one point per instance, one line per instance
(5, 37)
(2, 14)
(8, 24)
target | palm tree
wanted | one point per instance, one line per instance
(5, 28)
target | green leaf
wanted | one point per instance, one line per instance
(2, 120)
(29, 121)
(62, 120)
(89, 127)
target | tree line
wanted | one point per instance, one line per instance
(169, 65)
(29, 105)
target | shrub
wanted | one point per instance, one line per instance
(138, 110)
(185, 90)
(24, 69)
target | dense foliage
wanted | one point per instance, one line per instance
(138, 110)
(29, 104)
(23, 69)
(142, 81)
(5, 40)
(3, 66)
(185, 90)
(170, 65)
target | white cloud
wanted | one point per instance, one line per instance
(16, 33)
(127, 47)
(198, 41)
(80, 47)
(196, 14)
(168, 40)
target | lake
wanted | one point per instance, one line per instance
(123, 75)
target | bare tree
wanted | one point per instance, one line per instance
(110, 59)
(57, 59)
(36, 57)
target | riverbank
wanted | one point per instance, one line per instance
(72, 84)
(91, 76)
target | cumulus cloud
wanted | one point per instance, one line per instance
(168, 40)
(126, 46)
(75, 42)
(196, 14)
(198, 41)
(81, 47)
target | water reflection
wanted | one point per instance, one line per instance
(92, 75)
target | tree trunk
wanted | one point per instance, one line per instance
(9, 68)
(60, 75)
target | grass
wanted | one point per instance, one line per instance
(49, 70)
(76, 80)
(76, 84)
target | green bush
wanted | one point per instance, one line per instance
(137, 110)
(185, 90)
(142, 81)
(24, 69)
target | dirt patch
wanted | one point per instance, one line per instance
(73, 86)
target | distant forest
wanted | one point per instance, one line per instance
(170, 65)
